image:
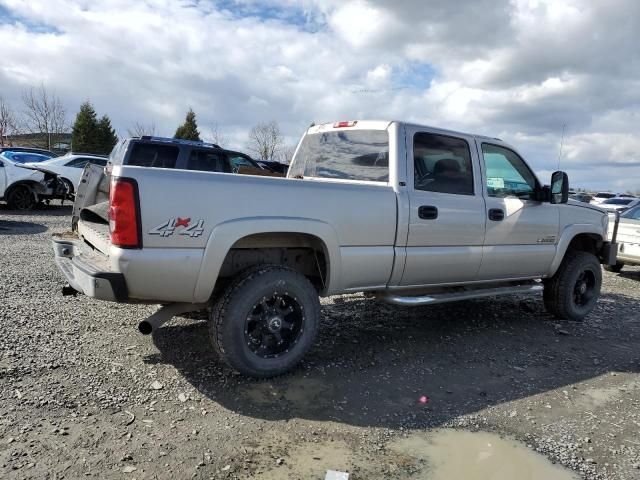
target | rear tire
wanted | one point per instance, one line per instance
(265, 321)
(614, 268)
(22, 198)
(573, 291)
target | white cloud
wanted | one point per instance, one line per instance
(518, 69)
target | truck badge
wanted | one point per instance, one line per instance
(168, 228)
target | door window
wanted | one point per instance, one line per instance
(208, 161)
(507, 174)
(153, 155)
(238, 161)
(76, 163)
(442, 164)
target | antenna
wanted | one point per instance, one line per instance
(564, 126)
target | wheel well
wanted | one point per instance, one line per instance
(586, 242)
(21, 183)
(72, 188)
(303, 252)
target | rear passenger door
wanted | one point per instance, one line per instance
(447, 212)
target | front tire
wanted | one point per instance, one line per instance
(573, 291)
(265, 321)
(21, 198)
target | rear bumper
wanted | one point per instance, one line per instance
(88, 273)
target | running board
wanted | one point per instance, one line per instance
(460, 295)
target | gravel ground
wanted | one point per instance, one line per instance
(82, 394)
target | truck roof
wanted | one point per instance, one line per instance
(383, 125)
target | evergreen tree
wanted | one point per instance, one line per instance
(189, 129)
(84, 136)
(106, 138)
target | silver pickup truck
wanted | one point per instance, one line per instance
(410, 214)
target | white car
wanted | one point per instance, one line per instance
(69, 167)
(600, 197)
(24, 185)
(628, 239)
(619, 204)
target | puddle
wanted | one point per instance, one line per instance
(300, 392)
(451, 454)
(312, 461)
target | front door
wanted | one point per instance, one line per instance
(447, 210)
(522, 233)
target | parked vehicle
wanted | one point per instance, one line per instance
(40, 151)
(619, 204)
(160, 152)
(69, 167)
(24, 186)
(628, 240)
(582, 197)
(601, 197)
(410, 214)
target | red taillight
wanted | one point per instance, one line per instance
(124, 215)
(351, 123)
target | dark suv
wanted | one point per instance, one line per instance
(160, 152)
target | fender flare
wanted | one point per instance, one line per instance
(226, 234)
(568, 234)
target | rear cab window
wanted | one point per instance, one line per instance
(344, 154)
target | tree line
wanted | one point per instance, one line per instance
(42, 121)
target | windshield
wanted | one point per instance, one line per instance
(605, 195)
(618, 201)
(24, 157)
(343, 154)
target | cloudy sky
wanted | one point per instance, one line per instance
(516, 69)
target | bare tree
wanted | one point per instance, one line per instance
(217, 136)
(286, 154)
(140, 129)
(265, 140)
(44, 115)
(8, 124)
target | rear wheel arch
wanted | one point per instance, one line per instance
(231, 245)
(302, 252)
(32, 186)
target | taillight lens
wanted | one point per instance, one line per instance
(124, 214)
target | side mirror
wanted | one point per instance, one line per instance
(559, 187)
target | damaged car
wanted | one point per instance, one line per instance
(23, 187)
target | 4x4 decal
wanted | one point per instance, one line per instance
(193, 229)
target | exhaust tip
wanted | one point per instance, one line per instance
(145, 327)
(68, 290)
